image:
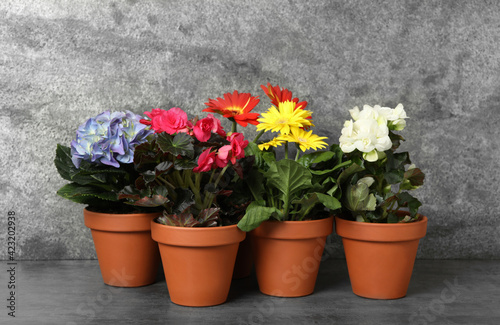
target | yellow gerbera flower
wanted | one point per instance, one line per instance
(276, 142)
(305, 140)
(283, 118)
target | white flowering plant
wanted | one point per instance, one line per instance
(377, 183)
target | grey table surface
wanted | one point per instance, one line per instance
(72, 292)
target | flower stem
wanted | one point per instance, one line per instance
(211, 196)
(258, 136)
(195, 189)
(286, 150)
(233, 127)
(220, 175)
(178, 178)
(170, 187)
(298, 152)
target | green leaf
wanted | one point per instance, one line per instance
(184, 200)
(101, 177)
(63, 162)
(84, 194)
(329, 201)
(349, 171)
(87, 174)
(255, 214)
(394, 176)
(405, 199)
(359, 198)
(396, 160)
(289, 177)
(392, 218)
(181, 164)
(306, 203)
(328, 171)
(153, 201)
(145, 198)
(163, 167)
(315, 157)
(256, 184)
(252, 149)
(182, 219)
(413, 179)
(269, 158)
(149, 176)
(147, 155)
(209, 217)
(180, 144)
(310, 200)
(396, 140)
(333, 191)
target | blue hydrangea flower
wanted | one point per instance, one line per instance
(109, 139)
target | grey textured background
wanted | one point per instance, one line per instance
(62, 62)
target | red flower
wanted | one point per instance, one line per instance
(155, 112)
(223, 156)
(238, 145)
(278, 95)
(204, 128)
(235, 106)
(173, 121)
(231, 152)
(205, 162)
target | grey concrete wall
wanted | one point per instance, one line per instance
(64, 61)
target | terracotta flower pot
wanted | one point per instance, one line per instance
(127, 255)
(198, 262)
(244, 261)
(287, 255)
(380, 256)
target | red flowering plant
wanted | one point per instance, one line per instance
(237, 108)
(286, 189)
(186, 167)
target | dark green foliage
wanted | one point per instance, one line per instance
(293, 190)
(97, 186)
(374, 191)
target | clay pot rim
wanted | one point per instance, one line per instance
(297, 229)
(381, 232)
(196, 236)
(119, 222)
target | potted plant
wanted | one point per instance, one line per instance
(186, 169)
(237, 108)
(287, 218)
(98, 165)
(380, 225)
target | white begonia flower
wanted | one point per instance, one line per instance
(354, 113)
(368, 112)
(347, 138)
(368, 133)
(365, 135)
(395, 117)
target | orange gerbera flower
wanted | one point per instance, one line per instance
(235, 106)
(278, 95)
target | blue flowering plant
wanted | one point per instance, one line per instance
(99, 161)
